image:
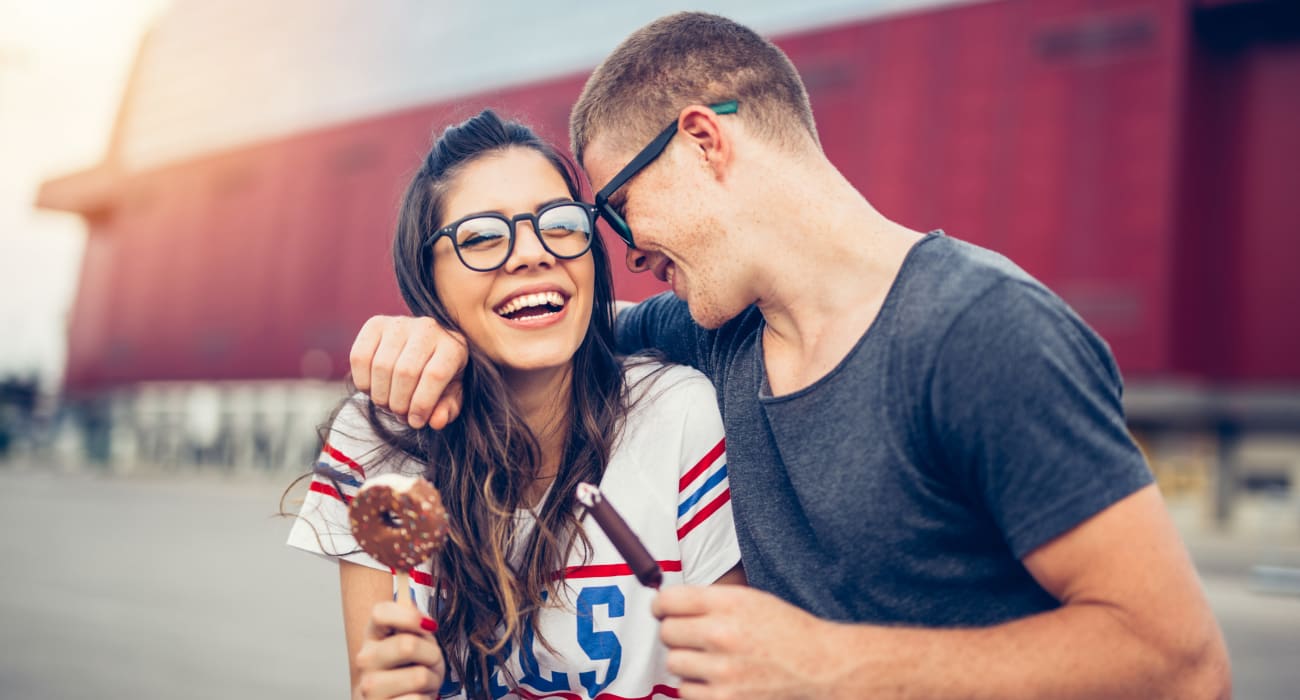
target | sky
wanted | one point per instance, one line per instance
(63, 67)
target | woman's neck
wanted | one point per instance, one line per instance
(544, 398)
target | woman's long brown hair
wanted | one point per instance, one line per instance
(486, 461)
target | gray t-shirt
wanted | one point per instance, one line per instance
(975, 420)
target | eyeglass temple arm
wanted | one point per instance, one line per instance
(652, 151)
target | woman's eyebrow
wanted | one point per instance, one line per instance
(500, 212)
(549, 202)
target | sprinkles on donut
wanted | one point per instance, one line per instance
(399, 520)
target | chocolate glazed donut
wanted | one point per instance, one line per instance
(399, 520)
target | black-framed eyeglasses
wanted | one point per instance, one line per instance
(483, 242)
(642, 159)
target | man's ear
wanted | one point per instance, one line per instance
(710, 140)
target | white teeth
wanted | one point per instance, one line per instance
(530, 300)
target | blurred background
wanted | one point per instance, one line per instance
(197, 196)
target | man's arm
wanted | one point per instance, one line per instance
(412, 365)
(1134, 623)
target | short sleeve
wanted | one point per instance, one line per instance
(1026, 410)
(706, 530)
(354, 452)
(663, 322)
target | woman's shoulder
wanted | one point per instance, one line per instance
(668, 403)
(672, 422)
(654, 381)
(354, 442)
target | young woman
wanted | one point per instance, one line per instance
(529, 599)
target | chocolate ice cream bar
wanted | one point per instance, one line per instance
(643, 564)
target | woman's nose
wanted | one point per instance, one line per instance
(528, 249)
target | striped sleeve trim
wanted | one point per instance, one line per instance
(704, 513)
(327, 490)
(702, 465)
(703, 490)
(333, 458)
(343, 459)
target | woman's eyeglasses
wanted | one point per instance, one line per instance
(483, 242)
(642, 159)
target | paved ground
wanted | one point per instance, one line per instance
(182, 588)
(160, 589)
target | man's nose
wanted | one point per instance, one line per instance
(637, 261)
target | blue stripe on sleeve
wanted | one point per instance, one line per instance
(694, 498)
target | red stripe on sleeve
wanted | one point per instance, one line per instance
(328, 490)
(331, 451)
(704, 514)
(703, 464)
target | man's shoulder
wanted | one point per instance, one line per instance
(974, 309)
(957, 272)
(945, 279)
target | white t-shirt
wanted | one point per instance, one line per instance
(667, 476)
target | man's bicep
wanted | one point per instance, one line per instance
(1129, 561)
(1127, 557)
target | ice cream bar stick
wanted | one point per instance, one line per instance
(643, 563)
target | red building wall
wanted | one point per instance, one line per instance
(1064, 133)
(1235, 317)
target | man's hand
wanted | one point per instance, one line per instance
(1133, 623)
(412, 367)
(734, 642)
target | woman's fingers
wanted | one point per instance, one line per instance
(399, 658)
(412, 681)
(391, 617)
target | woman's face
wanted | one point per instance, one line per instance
(531, 314)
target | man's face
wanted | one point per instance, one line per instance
(673, 208)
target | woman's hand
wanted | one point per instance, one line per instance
(399, 657)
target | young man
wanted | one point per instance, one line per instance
(934, 489)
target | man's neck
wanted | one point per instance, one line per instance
(820, 298)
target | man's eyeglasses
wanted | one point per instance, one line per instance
(642, 159)
(484, 242)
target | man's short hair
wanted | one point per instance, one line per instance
(691, 58)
